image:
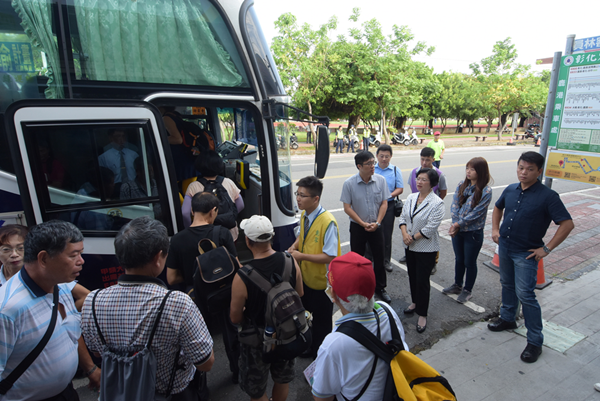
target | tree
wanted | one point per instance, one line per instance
(501, 77)
(363, 75)
(302, 55)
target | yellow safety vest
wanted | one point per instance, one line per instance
(340, 134)
(314, 274)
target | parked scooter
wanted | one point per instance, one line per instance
(533, 130)
(411, 139)
(398, 138)
(375, 140)
(293, 141)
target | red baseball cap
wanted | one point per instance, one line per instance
(436, 133)
(351, 274)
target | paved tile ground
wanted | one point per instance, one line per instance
(580, 251)
(483, 365)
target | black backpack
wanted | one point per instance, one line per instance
(213, 274)
(228, 212)
(195, 139)
(284, 312)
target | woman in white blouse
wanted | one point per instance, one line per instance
(421, 216)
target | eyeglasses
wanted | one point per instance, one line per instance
(422, 180)
(7, 250)
(298, 194)
(369, 164)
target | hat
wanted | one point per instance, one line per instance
(258, 228)
(437, 133)
(351, 274)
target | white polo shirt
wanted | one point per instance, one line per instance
(338, 371)
(25, 312)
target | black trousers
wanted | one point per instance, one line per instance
(419, 266)
(387, 224)
(321, 307)
(359, 238)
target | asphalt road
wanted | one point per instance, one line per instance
(445, 315)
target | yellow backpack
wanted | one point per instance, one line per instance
(409, 378)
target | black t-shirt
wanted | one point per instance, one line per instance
(257, 299)
(184, 248)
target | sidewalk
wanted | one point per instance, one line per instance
(484, 365)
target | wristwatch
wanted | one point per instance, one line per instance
(546, 249)
(378, 225)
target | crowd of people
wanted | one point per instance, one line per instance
(165, 336)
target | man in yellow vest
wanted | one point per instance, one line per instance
(316, 246)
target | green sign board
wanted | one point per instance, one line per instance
(576, 114)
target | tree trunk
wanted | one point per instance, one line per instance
(384, 131)
(310, 126)
(400, 121)
(430, 124)
(502, 120)
(522, 121)
(353, 120)
(500, 125)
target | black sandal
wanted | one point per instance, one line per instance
(409, 311)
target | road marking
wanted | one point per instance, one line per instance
(410, 169)
(438, 287)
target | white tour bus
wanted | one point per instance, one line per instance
(75, 74)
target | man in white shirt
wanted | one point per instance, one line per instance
(339, 373)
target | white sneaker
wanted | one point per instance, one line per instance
(597, 386)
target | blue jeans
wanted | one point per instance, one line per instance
(518, 277)
(339, 147)
(467, 245)
(437, 163)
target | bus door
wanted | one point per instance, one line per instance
(96, 164)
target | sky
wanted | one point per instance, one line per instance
(462, 31)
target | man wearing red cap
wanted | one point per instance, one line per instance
(438, 146)
(339, 373)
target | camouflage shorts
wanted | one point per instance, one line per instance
(254, 372)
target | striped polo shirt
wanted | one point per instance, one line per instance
(25, 313)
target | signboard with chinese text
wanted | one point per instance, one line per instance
(576, 115)
(586, 44)
(572, 166)
(16, 57)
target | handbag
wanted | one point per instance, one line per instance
(9, 381)
(398, 204)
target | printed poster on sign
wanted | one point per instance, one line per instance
(576, 115)
(572, 166)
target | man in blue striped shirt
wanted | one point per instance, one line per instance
(52, 256)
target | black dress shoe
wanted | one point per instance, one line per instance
(421, 329)
(388, 267)
(384, 296)
(500, 325)
(409, 311)
(531, 353)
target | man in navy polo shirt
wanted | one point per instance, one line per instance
(528, 208)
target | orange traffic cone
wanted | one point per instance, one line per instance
(538, 143)
(511, 142)
(495, 263)
(541, 277)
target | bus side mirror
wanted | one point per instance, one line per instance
(322, 151)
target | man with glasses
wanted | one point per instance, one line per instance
(393, 177)
(365, 198)
(316, 246)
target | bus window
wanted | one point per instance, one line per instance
(97, 177)
(165, 42)
(28, 71)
